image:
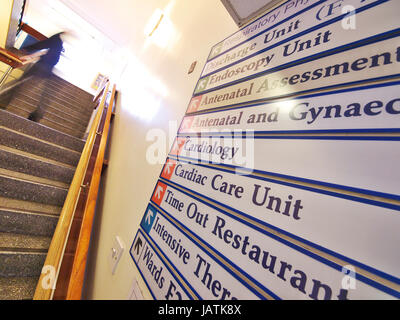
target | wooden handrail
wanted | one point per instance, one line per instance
(48, 278)
(13, 60)
(33, 32)
(9, 58)
(79, 265)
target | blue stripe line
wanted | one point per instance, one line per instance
(312, 244)
(326, 184)
(372, 138)
(297, 186)
(296, 247)
(247, 136)
(297, 35)
(165, 257)
(140, 271)
(316, 131)
(394, 76)
(257, 34)
(312, 58)
(164, 213)
(145, 281)
(169, 270)
(144, 233)
(320, 94)
(212, 251)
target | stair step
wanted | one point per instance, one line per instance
(22, 255)
(55, 95)
(56, 126)
(12, 160)
(20, 124)
(32, 178)
(27, 222)
(27, 190)
(36, 93)
(60, 93)
(74, 117)
(37, 164)
(65, 84)
(21, 288)
(29, 206)
(17, 140)
(13, 242)
(51, 118)
(33, 99)
(21, 264)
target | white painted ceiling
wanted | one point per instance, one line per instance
(121, 20)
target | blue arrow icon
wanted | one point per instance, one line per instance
(148, 218)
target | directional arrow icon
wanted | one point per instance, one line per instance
(194, 103)
(187, 122)
(168, 166)
(159, 191)
(149, 215)
(176, 147)
(138, 244)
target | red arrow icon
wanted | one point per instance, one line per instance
(159, 192)
(168, 169)
(186, 124)
(178, 144)
(194, 104)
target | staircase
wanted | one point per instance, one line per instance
(37, 164)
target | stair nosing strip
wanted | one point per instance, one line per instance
(27, 251)
(30, 212)
(33, 182)
(43, 127)
(75, 118)
(35, 157)
(40, 140)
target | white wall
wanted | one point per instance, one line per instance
(155, 89)
(5, 15)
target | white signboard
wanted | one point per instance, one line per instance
(375, 107)
(348, 161)
(319, 41)
(160, 280)
(283, 179)
(207, 278)
(279, 267)
(380, 60)
(329, 222)
(301, 36)
(285, 11)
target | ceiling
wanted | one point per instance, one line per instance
(121, 20)
(244, 11)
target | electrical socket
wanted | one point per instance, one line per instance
(116, 252)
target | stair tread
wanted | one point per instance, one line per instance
(17, 188)
(28, 206)
(14, 242)
(62, 128)
(19, 124)
(33, 98)
(32, 179)
(18, 288)
(36, 157)
(54, 90)
(50, 113)
(40, 140)
(50, 121)
(37, 163)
